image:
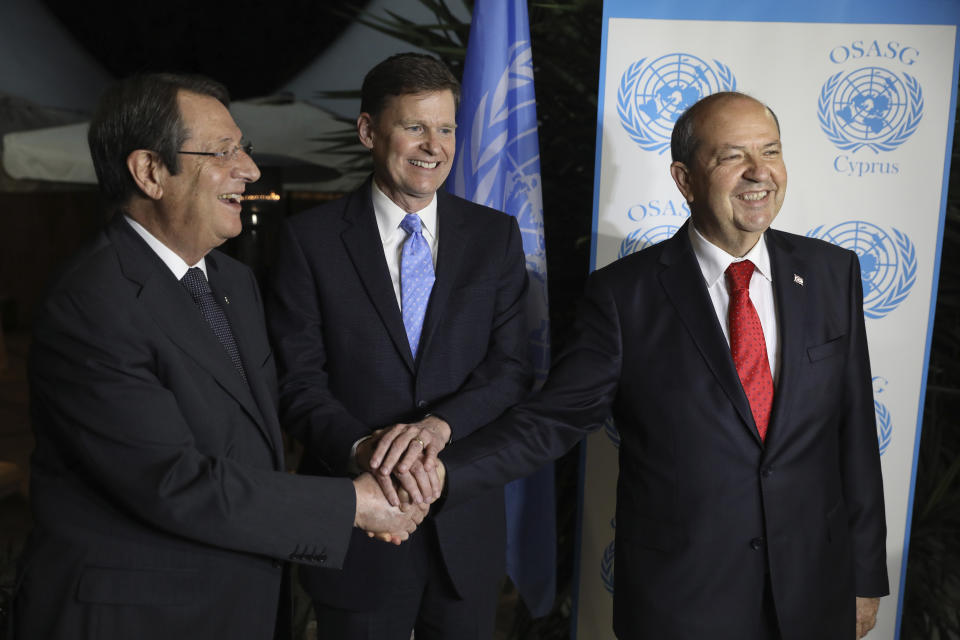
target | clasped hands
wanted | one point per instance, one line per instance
(402, 460)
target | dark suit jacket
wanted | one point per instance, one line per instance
(346, 367)
(704, 509)
(160, 506)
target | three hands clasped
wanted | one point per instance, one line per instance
(402, 477)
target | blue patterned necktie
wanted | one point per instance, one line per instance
(196, 283)
(416, 279)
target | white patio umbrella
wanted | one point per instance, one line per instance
(283, 134)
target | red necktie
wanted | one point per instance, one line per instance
(747, 345)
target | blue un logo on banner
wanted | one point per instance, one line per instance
(652, 96)
(642, 238)
(870, 108)
(888, 265)
(884, 421)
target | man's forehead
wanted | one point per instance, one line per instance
(730, 144)
(192, 100)
(725, 122)
(735, 108)
(410, 99)
(205, 116)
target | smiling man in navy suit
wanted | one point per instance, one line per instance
(733, 358)
(397, 316)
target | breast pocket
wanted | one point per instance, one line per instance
(268, 360)
(827, 349)
(469, 307)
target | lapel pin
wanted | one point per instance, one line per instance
(798, 279)
(227, 300)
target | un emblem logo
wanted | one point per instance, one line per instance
(641, 239)
(870, 107)
(884, 421)
(611, 430)
(884, 425)
(652, 96)
(499, 166)
(888, 265)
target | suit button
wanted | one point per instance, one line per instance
(422, 404)
(756, 544)
(277, 564)
(766, 472)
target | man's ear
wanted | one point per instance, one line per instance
(681, 176)
(147, 172)
(365, 129)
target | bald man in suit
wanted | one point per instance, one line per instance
(734, 360)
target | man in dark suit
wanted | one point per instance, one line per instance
(161, 505)
(734, 360)
(396, 313)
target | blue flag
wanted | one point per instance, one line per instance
(498, 164)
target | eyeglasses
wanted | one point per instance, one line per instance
(224, 156)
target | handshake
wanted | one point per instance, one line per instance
(402, 477)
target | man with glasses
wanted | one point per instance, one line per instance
(160, 502)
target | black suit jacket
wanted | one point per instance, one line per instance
(705, 510)
(160, 505)
(346, 366)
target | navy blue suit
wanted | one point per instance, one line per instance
(347, 369)
(160, 502)
(708, 515)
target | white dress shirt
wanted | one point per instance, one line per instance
(389, 216)
(713, 264)
(175, 263)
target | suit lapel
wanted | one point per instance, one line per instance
(242, 318)
(791, 309)
(362, 241)
(682, 280)
(452, 246)
(171, 307)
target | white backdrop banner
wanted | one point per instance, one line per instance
(865, 96)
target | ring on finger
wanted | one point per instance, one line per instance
(422, 446)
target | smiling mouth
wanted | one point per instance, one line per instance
(424, 165)
(754, 196)
(233, 198)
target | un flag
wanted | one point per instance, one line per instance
(497, 164)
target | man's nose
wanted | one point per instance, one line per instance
(431, 142)
(758, 169)
(246, 169)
